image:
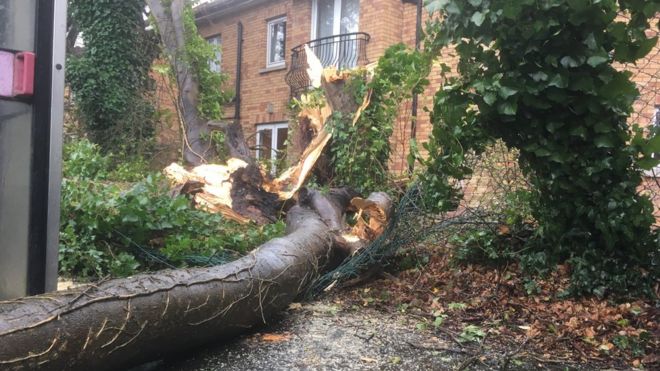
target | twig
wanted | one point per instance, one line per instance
(437, 348)
(475, 356)
(510, 355)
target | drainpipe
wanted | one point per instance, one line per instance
(415, 98)
(239, 63)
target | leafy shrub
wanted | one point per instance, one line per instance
(540, 76)
(111, 228)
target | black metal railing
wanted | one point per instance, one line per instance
(343, 51)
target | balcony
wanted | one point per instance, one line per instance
(343, 51)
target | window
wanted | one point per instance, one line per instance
(334, 17)
(335, 21)
(216, 64)
(271, 142)
(276, 42)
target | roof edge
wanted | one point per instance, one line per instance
(220, 8)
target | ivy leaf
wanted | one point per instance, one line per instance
(596, 60)
(604, 141)
(590, 42)
(653, 145)
(433, 6)
(645, 46)
(508, 108)
(506, 91)
(569, 61)
(490, 98)
(539, 76)
(478, 18)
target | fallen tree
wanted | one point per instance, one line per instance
(124, 322)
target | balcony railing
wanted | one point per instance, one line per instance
(343, 51)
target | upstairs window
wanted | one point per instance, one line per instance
(216, 63)
(271, 143)
(276, 42)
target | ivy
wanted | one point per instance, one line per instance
(540, 76)
(199, 55)
(361, 151)
(110, 79)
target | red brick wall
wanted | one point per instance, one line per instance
(261, 88)
(388, 22)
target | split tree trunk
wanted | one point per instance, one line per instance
(124, 322)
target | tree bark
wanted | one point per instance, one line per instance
(124, 322)
(171, 28)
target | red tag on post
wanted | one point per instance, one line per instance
(23, 74)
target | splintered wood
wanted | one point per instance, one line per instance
(216, 187)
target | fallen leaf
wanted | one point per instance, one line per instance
(590, 333)
(295, 306)
(276, 338)
(368, 360)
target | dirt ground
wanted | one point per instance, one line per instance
(328, 335)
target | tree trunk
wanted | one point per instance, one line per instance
(124, 322)
(171, 28)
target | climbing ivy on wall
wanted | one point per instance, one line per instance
(361, 152)
(110, 79)
(200, 54)
(540, 75)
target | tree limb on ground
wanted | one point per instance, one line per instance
(124, 322)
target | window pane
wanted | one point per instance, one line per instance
(277, 42)
(265, 143)
(350, 16)
(216, 65)
(325, 18)
(282, 135)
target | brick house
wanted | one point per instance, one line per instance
(265, 69)
(260, 40)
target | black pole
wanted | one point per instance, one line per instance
(40, 161)
(415, 98)
(239, 63)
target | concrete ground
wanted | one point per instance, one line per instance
(325, 336)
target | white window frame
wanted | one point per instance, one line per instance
(336, 25)
(655, 120)
(269, 35)
(274, 128)
(216, 65)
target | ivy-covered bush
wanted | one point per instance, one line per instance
(110, 79)
(109, 226)
(540, 75)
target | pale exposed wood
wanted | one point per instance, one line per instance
(219, 181)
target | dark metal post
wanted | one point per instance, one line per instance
(415, 98)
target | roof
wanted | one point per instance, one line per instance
(219, 8)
